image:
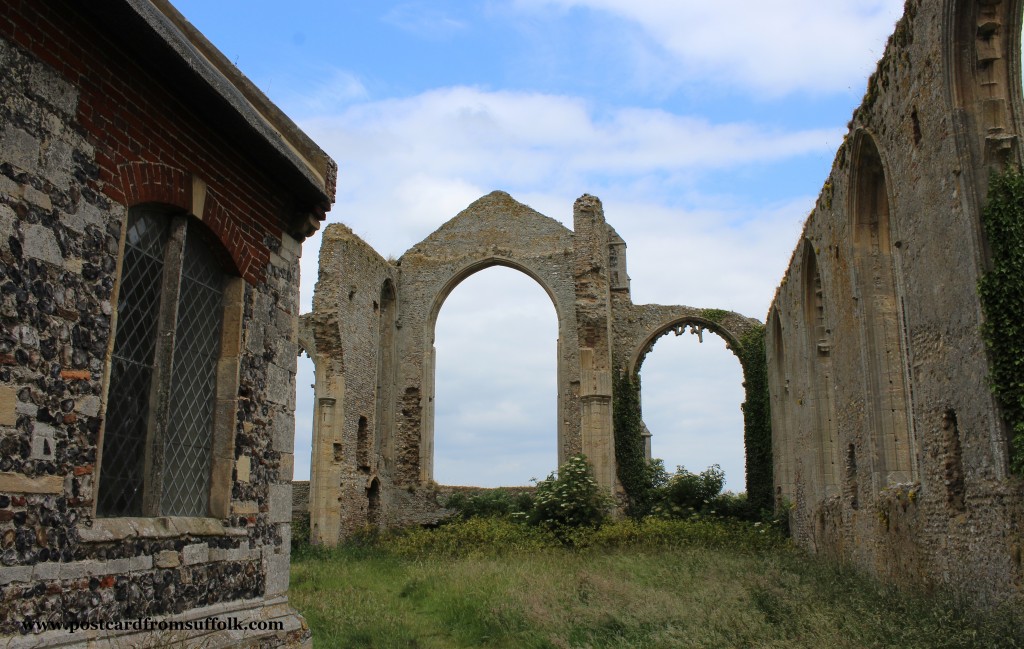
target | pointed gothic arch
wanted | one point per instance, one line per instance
(884, 359)
(819, 374)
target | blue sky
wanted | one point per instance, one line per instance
(706, 129)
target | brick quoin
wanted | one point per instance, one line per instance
(145, 150)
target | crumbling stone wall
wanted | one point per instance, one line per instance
(888, 445)
(582, 270)
(300, 499)
(86, 132)
(348, 455)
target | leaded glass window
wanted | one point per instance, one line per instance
(157, 442)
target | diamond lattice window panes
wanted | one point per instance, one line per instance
(158, 433)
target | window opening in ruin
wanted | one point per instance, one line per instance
(819, 388)
(781, 397)
(953, 465)
(158, 434)
(880, 318)
(384, 417)
(373, 503)
(495, 404)
(852, 485)
(691, 393)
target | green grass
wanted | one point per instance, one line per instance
(658, 584)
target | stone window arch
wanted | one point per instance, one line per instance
(885, 372)
(781, 436)
(819, 373)
(729, 326)
(167, 441)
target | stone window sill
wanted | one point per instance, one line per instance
(106, 530)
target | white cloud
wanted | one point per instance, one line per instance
(334, 88)
(772, 48)
(496, 390)
(526, 137)
(408, 165)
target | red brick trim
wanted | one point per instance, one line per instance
(249, 261)
(154, 182)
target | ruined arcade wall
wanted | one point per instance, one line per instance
(345, 327)
(584, 273)
(375, 358)
(887, 443)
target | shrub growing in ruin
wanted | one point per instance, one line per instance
(570, 498)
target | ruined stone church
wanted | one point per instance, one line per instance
(153, 203)
(888, 448)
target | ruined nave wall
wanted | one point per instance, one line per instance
(888, 445)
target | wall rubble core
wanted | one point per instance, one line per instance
(375, 365)
(889, 449)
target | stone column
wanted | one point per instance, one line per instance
(593, 319)
(326, 465)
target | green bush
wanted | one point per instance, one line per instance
(300, 532)
(686, 494)
(476, 536)
(491, 503)
(494, 537)
(572, 498)
(654, 533)
(732, 505)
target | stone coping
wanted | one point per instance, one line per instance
(206, 62)
(106, 530)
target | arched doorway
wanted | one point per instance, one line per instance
(496, 381)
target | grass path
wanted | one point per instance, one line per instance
(684, 596)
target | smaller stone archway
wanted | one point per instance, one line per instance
(692, 426)
(697, 324)
(690, 387)
(638, 328)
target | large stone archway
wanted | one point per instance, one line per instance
(567, 355)
(493, 231)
